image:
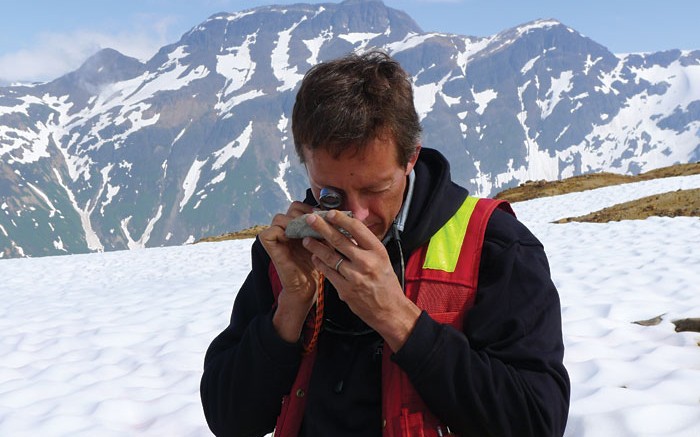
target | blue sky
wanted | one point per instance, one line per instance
(43, 39)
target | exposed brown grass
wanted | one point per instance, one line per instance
(673, 204)
(536, 189)
(251, 232)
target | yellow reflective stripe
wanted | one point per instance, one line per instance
(446, 244)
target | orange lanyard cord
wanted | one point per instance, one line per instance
(318, 319)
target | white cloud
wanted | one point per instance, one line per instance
(55, 54)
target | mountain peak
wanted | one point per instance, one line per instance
(358, 2)
(542, 23)
(107, 65)
(535, 25)
(104, 67)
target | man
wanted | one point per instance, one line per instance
(328, 336)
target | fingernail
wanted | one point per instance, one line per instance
(310, 218)
(331, 214)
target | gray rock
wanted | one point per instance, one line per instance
(298, 228)
(691, 324)
(651, 322)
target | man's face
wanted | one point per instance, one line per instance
(371, 181)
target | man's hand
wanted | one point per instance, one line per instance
(296, 272)
(365, 279)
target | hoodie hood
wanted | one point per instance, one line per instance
(435, 199)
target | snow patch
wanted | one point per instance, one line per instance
(410, 41)
(590, 63)
(359, 39)
(182, 132)
(483, 98)
(528, 65)
(234, 149)
(288, 75)
(91, 238)
(425, 96)
(227, 107)
(141, 242)
(45, 198)
(190, 182)
(314, 45)
(58, 245)
(279, 180)
(559, 86)
(111, 192)
(237, 66)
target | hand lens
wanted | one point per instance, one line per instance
(330, 198)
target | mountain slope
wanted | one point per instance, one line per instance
(196, 141)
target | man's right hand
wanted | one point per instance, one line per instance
(295, 270)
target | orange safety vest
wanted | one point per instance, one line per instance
(441, 278)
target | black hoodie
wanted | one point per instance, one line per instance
(502, 376)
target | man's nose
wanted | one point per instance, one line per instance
(358, 207)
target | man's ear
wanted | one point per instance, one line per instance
(412, 160)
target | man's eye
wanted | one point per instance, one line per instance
(375, 192)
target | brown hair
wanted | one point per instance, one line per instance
(347, 102)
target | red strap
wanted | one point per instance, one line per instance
(293, 405)
(470, 258)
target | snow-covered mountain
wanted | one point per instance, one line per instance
(197, 140)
